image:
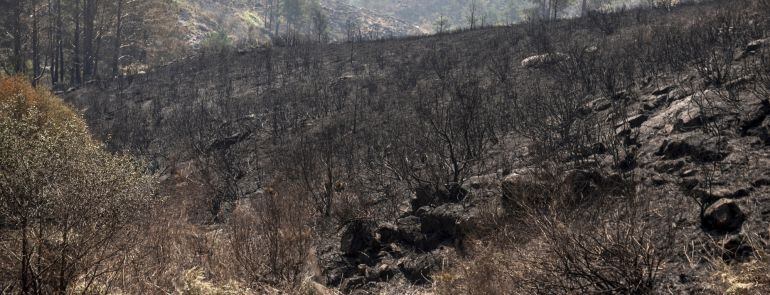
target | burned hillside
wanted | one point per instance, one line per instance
(621, 152)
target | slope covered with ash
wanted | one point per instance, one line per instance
(621, 152)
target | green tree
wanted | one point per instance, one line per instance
(68, 209)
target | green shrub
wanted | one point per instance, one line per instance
(69, 209)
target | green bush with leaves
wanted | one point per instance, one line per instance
(216, 41)
(70, 211)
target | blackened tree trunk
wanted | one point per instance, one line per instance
(52, 41)
(118, 39)
(59, 44)
(18, 59)
(89, 32)
(97, 55)
(35, 44)
(76, 74)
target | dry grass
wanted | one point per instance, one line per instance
(750, 277)
(562, 247)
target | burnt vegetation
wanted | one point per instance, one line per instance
(622, 152)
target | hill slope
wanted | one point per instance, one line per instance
(247, 22)
(621, 151)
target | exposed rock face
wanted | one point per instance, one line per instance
(723, 216)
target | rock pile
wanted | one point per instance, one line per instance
(409, 248)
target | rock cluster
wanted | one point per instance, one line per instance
(409, 248)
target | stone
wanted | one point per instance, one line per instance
(522, 187)
(418, 268)
(736, 248)
(382, 272)
(681, 114)
(689, 173)
(386, 233)
(444, 224)
(755, 114)
(723, 216)
(601, 105)
(543, 60)
(652, 102)
(664, 90)
(757, 44)
(765, 181)
(409, 230)
(637, 120)
(720, 192)
(583, 182)
(351, 283)
(424, 195)
(762, 131)
(428, 195)
(314, 288)
(698, 146)
(357, 237)
(481, 182)
(668, 166)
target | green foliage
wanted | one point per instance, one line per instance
(61, 191)
(216, 41)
